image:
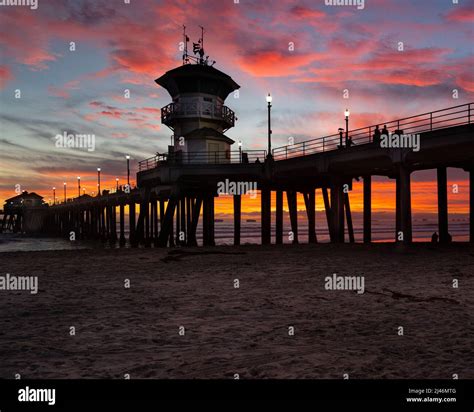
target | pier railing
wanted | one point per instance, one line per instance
(200, 158)
(439, 119)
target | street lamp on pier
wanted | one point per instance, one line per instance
(269, 101)
(347, 113)
(98, 181)
(128, 169)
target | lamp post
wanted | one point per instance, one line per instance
(79, 186)
(269, 101)
(128, 169)
(347, 113)
(98, 181)
(240, 151)
(116, 183)
(54, 195)
(65, 199)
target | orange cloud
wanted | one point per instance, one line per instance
(275, 63)
(307, 13)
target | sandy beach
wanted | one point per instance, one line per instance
(244, 330)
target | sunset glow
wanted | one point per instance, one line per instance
(75, 76)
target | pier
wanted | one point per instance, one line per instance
(173, 193)
(178, 188)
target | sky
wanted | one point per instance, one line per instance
(68, 66)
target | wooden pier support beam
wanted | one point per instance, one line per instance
(442, 204)
(107, 223)
(93, 223)
(132, 224)
(122, 225)
(152, 221)
(147, 238)
(103, 234)
(237, 218)
(178, 222)
(208, 220)
(80, 222)
(398, 216)
(182, 235)
(113, 224)
(196, 211)
(189, 217)
(337, 211)
(166, 232)
(291, 197)
(350, 227)
(327, 207)
(171, 224)
(143, 219)
(154, 214)
(266, 218)
(205, 223)
(310, 203)
(100, 226)
(162, 211)
(87, 224)
(405, 204)
(212, 241)
(471, 206)
(367, 209)
(279, 218)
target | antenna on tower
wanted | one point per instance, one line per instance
(202, 39)
(198, 50)
(185, 41)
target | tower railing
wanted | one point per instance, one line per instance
(421, 123)
(197, 108)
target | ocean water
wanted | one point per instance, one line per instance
(250, 233)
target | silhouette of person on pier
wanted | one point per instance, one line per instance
(341, 131)
(376, 137)
(385, 131)
(434, 237)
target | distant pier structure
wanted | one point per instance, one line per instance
(23, 213)
(176, 190)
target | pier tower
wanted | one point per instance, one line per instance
(197, 115)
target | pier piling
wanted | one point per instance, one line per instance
(442, 204)
(367, 209)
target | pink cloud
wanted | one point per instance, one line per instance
(5, 75)
(462, 14)
(64, 91)
(29, 48)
